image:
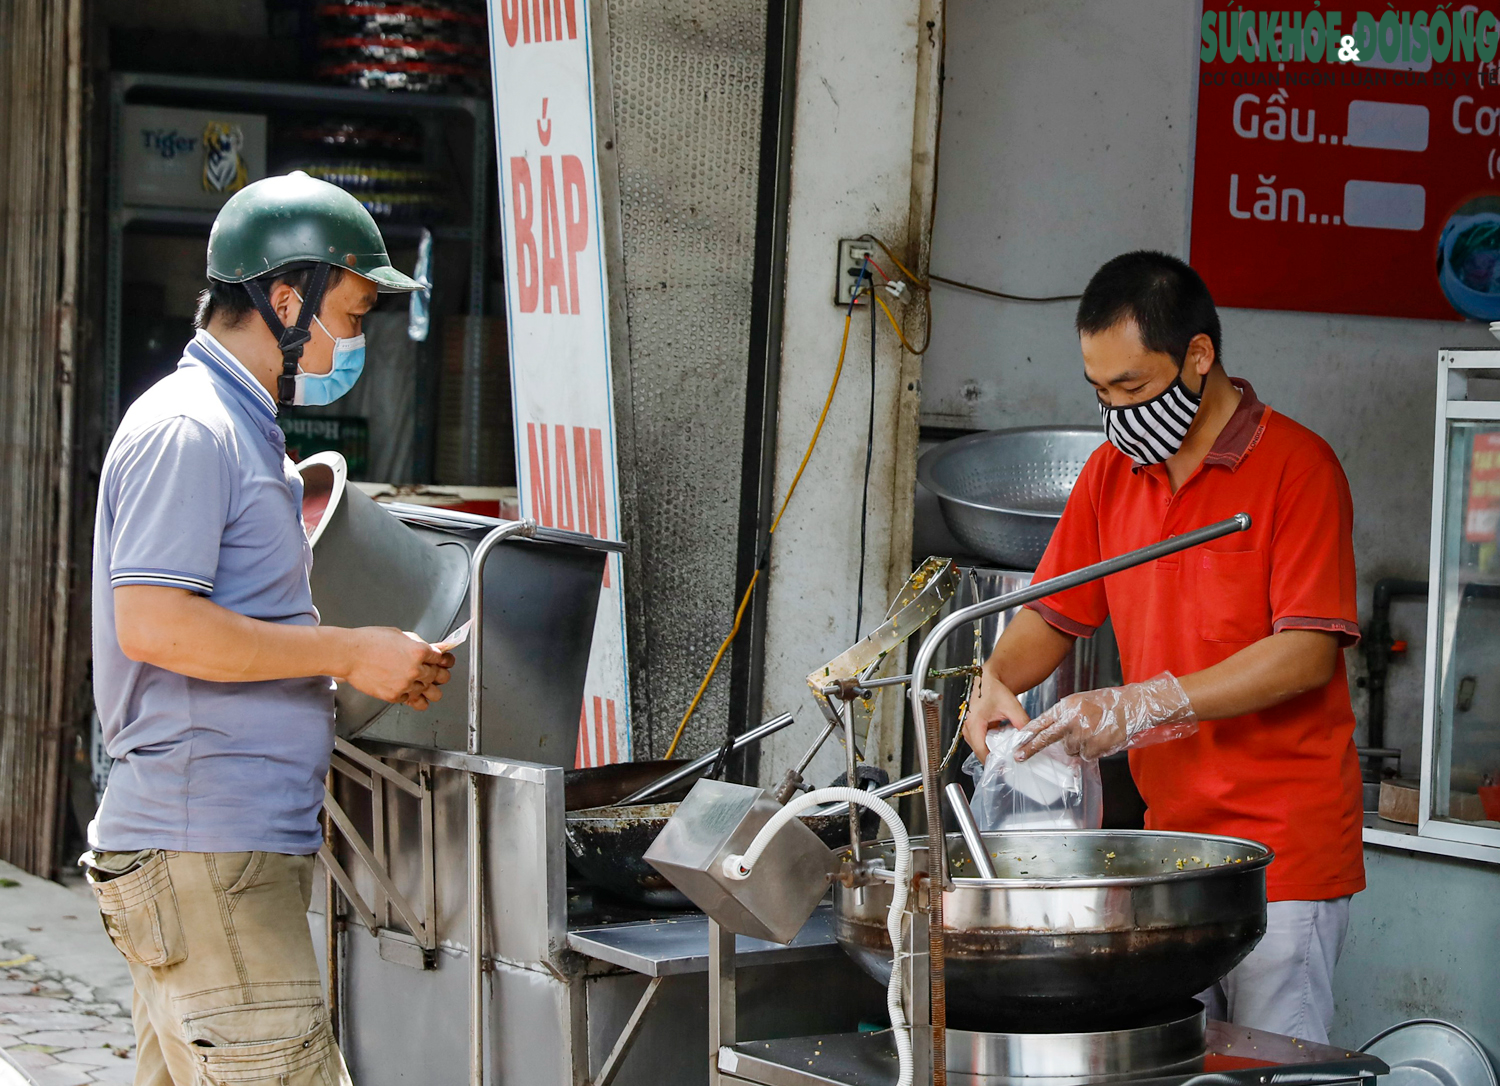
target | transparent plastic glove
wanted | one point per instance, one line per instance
(1098, 723)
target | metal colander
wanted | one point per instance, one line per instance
(1003, 491)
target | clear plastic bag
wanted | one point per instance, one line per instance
(1052, 790)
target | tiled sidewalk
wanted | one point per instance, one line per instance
(64, 991)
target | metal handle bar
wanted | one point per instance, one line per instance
(754, 735)
(978, 850)
(920, 695)
(496, 536)
(885, 791)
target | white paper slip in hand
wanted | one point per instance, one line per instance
(455, 639)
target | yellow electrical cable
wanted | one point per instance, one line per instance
(915, 281)
(918, 284)
(896, 326)
(754, 577)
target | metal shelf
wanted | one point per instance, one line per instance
(294, 93)
(203, 217)
(679, 944)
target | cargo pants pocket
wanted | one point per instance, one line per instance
(294, 1061)
(285, 1043)
(140, 913)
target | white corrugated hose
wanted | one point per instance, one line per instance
(738, 867)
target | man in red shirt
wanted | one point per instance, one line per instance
(1236, 709)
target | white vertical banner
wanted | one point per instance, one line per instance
(556, 296)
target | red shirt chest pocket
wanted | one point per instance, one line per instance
(1233, 595)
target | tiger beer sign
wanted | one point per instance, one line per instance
(556, 294)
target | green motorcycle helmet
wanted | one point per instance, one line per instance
(295, 219)
(291, 222)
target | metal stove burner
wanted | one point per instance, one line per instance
(1230, 1056)
(1173, 1040)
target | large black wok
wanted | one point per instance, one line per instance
(1080, 929)
(602, 785)
(606, 845)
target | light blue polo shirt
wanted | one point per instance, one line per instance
(197, 493)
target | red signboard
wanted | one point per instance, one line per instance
(1482, 515)
(1332, 186)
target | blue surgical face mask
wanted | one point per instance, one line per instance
(317, 389)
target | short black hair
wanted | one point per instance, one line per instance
(231, 302)
(1166, 298)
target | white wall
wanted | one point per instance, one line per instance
(1067, 139)
(851, 174)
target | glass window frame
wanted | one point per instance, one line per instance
(1454, 408)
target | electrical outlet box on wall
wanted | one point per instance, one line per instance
(852, 254)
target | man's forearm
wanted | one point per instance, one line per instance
(1264, 674)
(1029, 650)
(190, 635)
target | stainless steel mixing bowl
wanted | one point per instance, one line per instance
(1003, 491)
(1080, 929)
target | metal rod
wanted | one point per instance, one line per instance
(833, 689)
(978, 851)
(378, 845)
(429, 863)
(920, 695)
(375, 765)
(367, 857)
(852, 780)
(330, 924)
(367, 916)
(817, 745)
(884, 791)
(476, 934)
(697, 765)
(348, 769)
(723, 1018)
(476, 822)
(936, 850)
(626, 1040)
(793, 782)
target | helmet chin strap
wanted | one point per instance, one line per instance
(290, 341)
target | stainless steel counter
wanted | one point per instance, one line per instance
(618, 1004)
(669, 948)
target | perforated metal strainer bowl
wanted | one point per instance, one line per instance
(1002, 491)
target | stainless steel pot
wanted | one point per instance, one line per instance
(1079, 929)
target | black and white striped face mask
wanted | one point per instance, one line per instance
(1153, 430)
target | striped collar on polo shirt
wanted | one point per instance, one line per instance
(208, 350)
(1242, 432)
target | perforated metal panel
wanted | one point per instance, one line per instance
(687, 81)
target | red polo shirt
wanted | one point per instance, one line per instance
(1287, 776)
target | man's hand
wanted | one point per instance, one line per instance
(994, 706)
(1098, 723)
(395, 666)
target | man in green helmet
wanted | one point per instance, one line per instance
(212, 677)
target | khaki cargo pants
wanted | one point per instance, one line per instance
(227, 987)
